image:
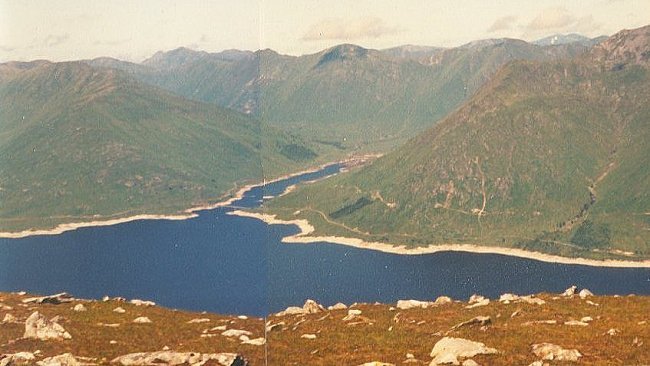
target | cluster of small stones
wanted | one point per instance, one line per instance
(450, 350)
(39, 327)
(446, 351)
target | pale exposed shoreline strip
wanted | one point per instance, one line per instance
(183, 215)
(305, 229)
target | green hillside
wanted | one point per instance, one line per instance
(80, 143)
(548, 156)
(349, 97)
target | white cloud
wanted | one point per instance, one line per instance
(550, 19)
(503, 23)
(53, 40)
(348, 29)
(560, 20)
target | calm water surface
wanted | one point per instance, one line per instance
(229, 264)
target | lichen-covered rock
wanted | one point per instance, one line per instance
(549, 351)
(584, 293)
(475, 299)
(142, 320)
(236, 333)
(478, 302)
(9, 318)
(51, 299)
(337, 306)
(20, 358)
(576, 323)
(179, 358)
(291, 310)
(470, 362)
(448, 350)
(570, 291)
(531, 300)
(352, 314)
(411, 304)
(138, 302)
(443, 300)
(312, 307)
(66, 359)
(255, 341)
(507, 298)
(198, 320)
(38, 327)
(479, 320)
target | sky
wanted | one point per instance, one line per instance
(134, 30)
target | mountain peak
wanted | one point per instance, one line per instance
(175, 57)
(481, 43)
(625, 47)
(558, 39)
(342, 52)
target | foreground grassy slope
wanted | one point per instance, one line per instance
(548, 156)
(379, 333)
(81, 143)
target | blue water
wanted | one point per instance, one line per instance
(229, 264)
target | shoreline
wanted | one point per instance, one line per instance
(305, 229)
(181, 215)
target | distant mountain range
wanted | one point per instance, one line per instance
(549, 156)
(107, 138)
(347, 95)
(560, 39)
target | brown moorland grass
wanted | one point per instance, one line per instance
(380, 333)
(92, 339)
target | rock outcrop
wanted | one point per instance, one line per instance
(337, 306)
(20, 358)
(584, 293)
(179, 358)
(553, 352)
(9, 318)
(198, 320)
(310, 307)
(255, 341)
(142, 320)
(570, 291)
(576, 323)
(479, 320)
(529, 299)
(443, 300)
(51, 299)
(39, 327)
(449, 350)
(476, 301)
(66, 359)
(352, 314)
(410, 304)
(138, 302)
(235, 333)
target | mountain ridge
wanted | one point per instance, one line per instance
(82, 143)
(546, 156)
